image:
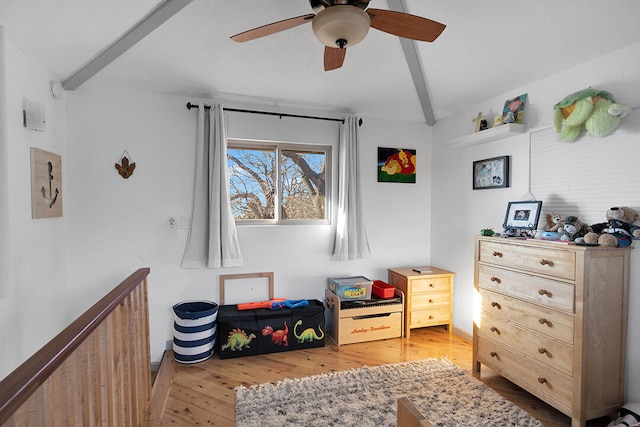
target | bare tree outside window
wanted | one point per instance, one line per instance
(257, 175)
(252, 182)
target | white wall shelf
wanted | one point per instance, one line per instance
(489, 135)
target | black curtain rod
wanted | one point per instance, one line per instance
(269, 113)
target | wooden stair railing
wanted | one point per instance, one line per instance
(96, 372)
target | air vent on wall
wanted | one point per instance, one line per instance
(33, 115)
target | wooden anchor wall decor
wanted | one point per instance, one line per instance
(46, 184)
(126, 166)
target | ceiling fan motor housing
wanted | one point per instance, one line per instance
(341, 26)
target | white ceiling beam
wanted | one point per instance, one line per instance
(415, 68)
(144, 27)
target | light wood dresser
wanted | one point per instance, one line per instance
(428, 297)
(553, 320)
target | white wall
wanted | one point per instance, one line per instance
(33, 307)
(118, 225)
(111, 226)
(468, 211)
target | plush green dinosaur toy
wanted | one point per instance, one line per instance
(596, 110)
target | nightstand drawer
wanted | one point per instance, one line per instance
(431, 317)
(547, 292)
(436, 284)
(429, 300)
(557, 263)
(553, 323)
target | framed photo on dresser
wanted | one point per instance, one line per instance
(522, 215)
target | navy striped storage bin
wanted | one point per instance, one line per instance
(194, 331)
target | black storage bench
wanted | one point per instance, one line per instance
(261, 331)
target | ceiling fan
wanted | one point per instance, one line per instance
(339, 24)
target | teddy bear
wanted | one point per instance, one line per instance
(555, 222)
(596, 110)
(574, 229)
(617, 231)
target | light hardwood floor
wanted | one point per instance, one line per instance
(203, 394)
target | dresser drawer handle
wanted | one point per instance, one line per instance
(543, 321)
(431, 317)
(498, 254)
(493, 354)
(430, 301)
(542, 380)
(546, 262)
(494, 329)
(545, 292)
(496, 305)
(495, 279)
(432, 285)
(542, 350)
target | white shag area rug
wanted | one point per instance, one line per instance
(368, 396)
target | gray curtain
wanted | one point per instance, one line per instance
(4, 178)
(212, 241)
(351, 237)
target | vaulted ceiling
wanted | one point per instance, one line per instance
(487, 48)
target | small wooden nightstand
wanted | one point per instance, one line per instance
(428, 297)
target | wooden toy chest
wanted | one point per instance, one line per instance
(351, 323)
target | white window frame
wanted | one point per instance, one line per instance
(288, 146)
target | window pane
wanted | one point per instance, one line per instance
(252, 182)
(303, 184)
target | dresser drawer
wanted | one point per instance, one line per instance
(542, 378)
(428, 300)
(550, 322)
(431, 317)
(557, 263)
(539, 347)
(547, 292)
(436, 284)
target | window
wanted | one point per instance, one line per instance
(279, 183)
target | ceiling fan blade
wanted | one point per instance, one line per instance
(333, 58)
(274, 27)
(405, 25)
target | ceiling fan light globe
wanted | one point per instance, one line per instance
(341, 22)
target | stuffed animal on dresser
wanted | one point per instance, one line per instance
(574, 229)
(555, 222)
(617, 231)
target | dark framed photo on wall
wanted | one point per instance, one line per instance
(491, 173)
